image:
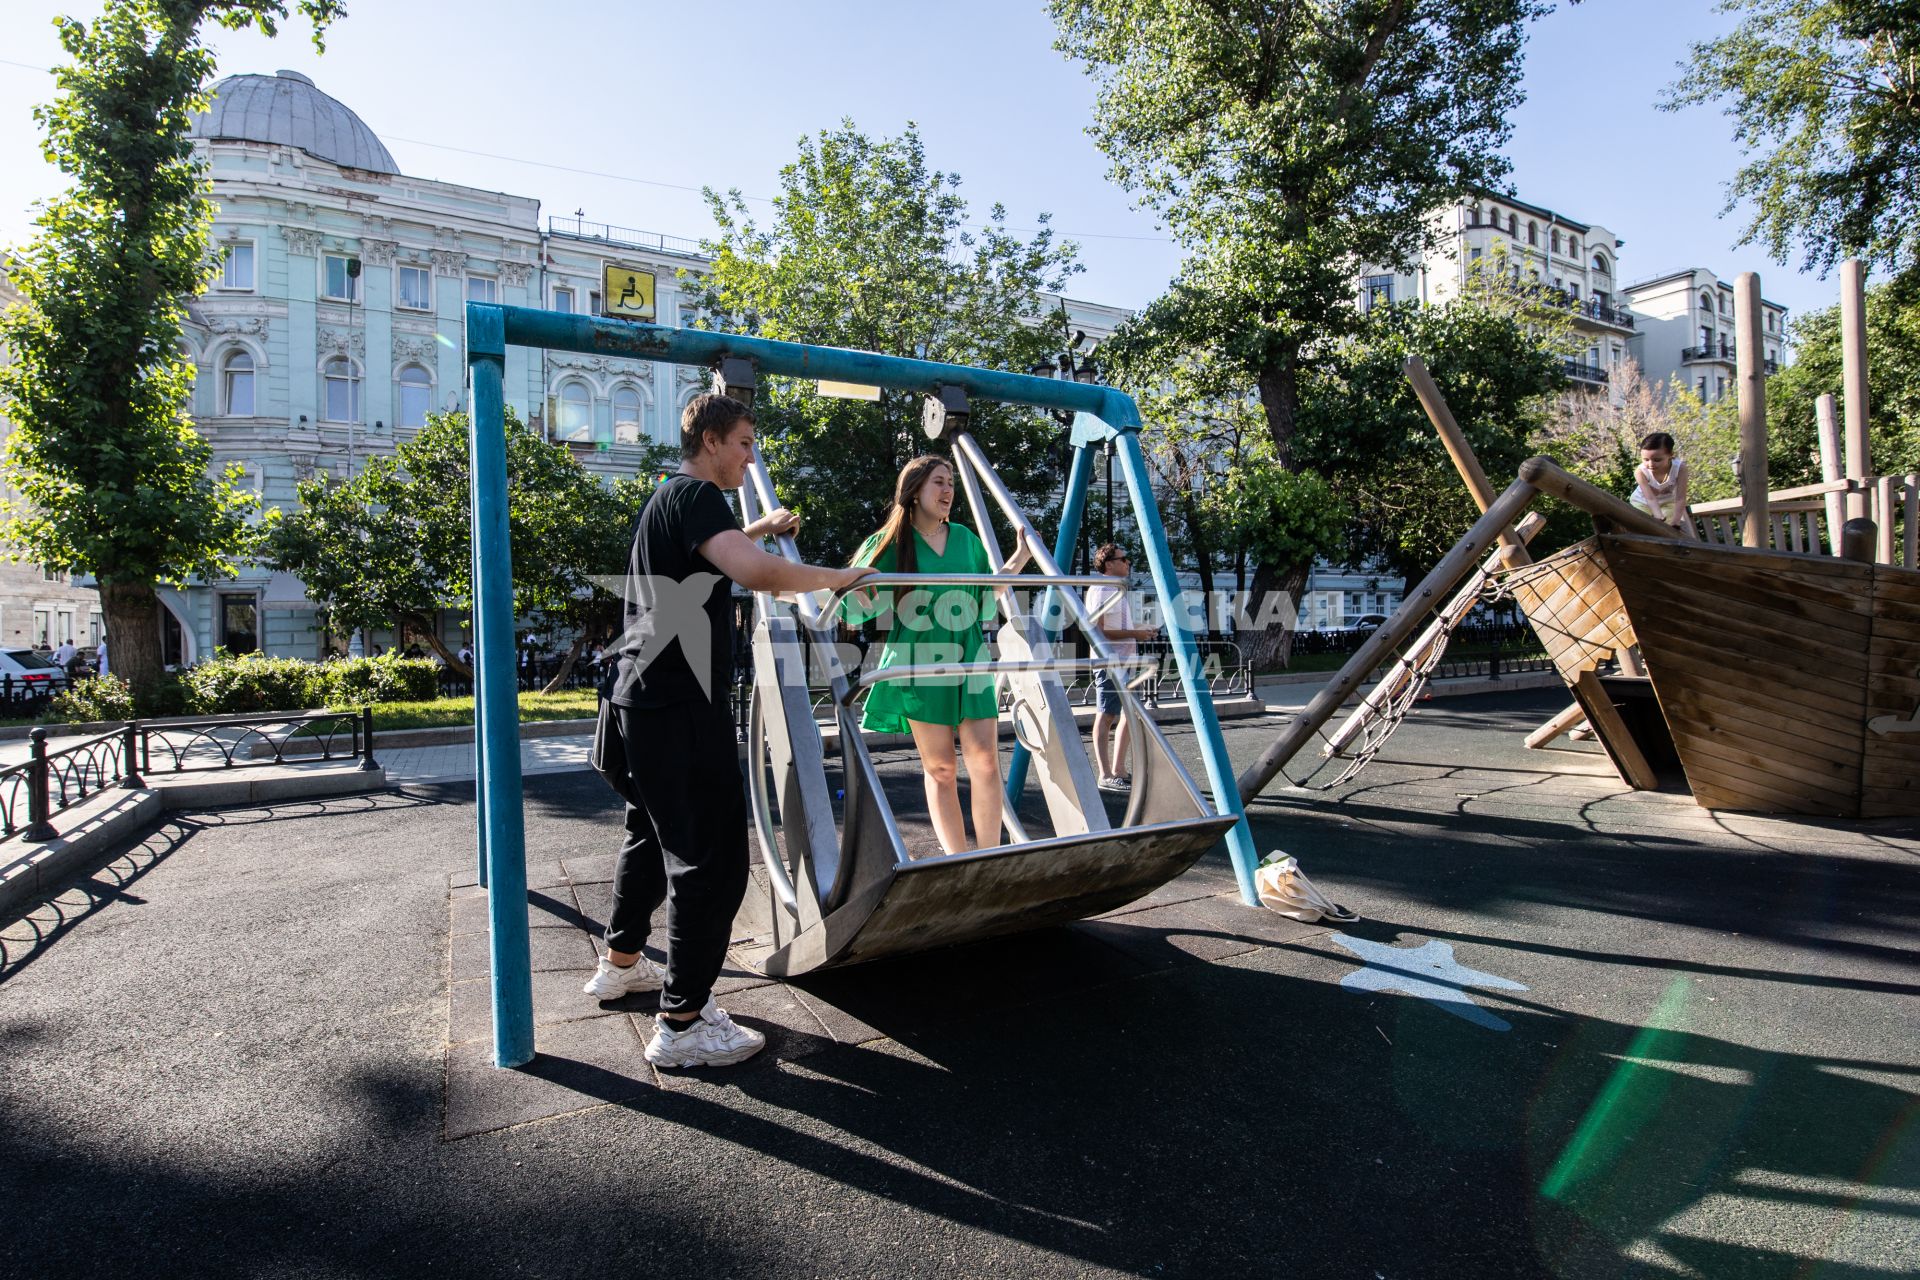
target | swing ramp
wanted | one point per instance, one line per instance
(838, 887)
(830, 892)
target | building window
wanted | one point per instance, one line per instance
(1513, 225)
(1573, 248)
(95, 624)
(1533, 232)
(239, 623)
(340, 278)
(1720, 392)
(1473, 254)
(1700, 386)
(1473, 216)
(482, 289)
(626, 415)
(416, 396)
(1726, 304)
(1600, 264)
(1376, 291)
(593, 302)
(415, 292)
(342, 385)
(236, 384)
(575, 421)
(1556, 239)
(1706, 340)
(236, 265)
(563, 300)
(42, 628)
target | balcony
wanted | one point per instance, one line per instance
(1721, 354)
(1581, 371)
(1773, 367)
(583, 230)
(1604, 314)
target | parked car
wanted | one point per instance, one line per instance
(26, 673)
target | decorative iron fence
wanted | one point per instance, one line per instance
(49, 782)
(533, 675)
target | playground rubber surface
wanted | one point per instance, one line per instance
(1645, 1040)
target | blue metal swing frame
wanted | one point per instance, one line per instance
(1100, 414)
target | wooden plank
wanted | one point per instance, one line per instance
(1611, 729)
(1840, 690)
(1721, 785)
(1839, 782)
(1779, 593)
(1717, 706)
(1840, 667)
(1553, 728)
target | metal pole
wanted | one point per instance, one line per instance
(130, 748)
(498, 742)
(367, 764)
(39, 794)
(1853, 375)
(1826, 416)
(1206, 724)
(1751, 378)
(1079, 476)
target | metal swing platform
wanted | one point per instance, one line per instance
(834, 883)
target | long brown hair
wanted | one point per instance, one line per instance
(900, 516)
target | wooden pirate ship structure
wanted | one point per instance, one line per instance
(1775, 661)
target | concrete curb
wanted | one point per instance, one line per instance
(103, 822)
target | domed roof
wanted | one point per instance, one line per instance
(286, 108)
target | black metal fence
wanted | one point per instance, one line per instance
(532, 675)
(51, 781)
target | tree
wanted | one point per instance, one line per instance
(1824, 96)
(1893, 388)
(1289, 146)
(1598, 437)
(394, 544)
(869, 249)
(1361, 422)
(112, 478)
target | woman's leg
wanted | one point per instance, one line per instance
(942, 773)
(980, 743)
(1122, 749)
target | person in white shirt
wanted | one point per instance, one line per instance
(100, 657)
(63, 656)
(1112, 612)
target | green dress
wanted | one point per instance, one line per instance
(930, 624)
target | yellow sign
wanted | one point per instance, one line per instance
(627, 293)
(846, 390)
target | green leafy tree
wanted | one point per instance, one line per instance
(869, 248)
(1893, 387)
(112, 479)
(1360, 419)
(1288, 146)
(1824, 96)
(393, 544)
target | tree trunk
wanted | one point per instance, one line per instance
(419, 622)
(566, 664)
(1270, 648)
(132, 612)
(1202, 556)
(1280, 401)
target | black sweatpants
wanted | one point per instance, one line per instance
(686, 843)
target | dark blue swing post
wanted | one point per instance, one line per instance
(1101, 413)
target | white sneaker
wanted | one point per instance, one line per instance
(610, 981)
(710, 1040)
(1118, 785)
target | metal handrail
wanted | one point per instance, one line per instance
(839, 594)
(1025, 666)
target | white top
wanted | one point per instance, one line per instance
(1644, 483)
(64, 654)
(1119, 617)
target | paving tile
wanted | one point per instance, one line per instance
(590, 868)
(546, 909)
(1236, 919)
(551, 949)
(1168, 937)
(557, 997)
(776, 1011)
(591, 1062)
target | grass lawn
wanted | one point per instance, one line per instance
(568, 704)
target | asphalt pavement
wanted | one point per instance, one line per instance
(1642, 1040)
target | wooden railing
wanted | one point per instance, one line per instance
(1806, 518)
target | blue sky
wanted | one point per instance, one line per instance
(668, 99)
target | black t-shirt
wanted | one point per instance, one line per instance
(677, 604)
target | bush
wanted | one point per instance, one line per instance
(251, 682)
(353, 682)
(105, 697)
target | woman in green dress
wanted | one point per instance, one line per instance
(937, 624)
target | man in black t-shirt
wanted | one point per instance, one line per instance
(687, 838)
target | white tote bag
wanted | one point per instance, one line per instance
(1284, 887)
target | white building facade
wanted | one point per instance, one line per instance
(1575, 266)
(337, 324)
(1685, 332)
